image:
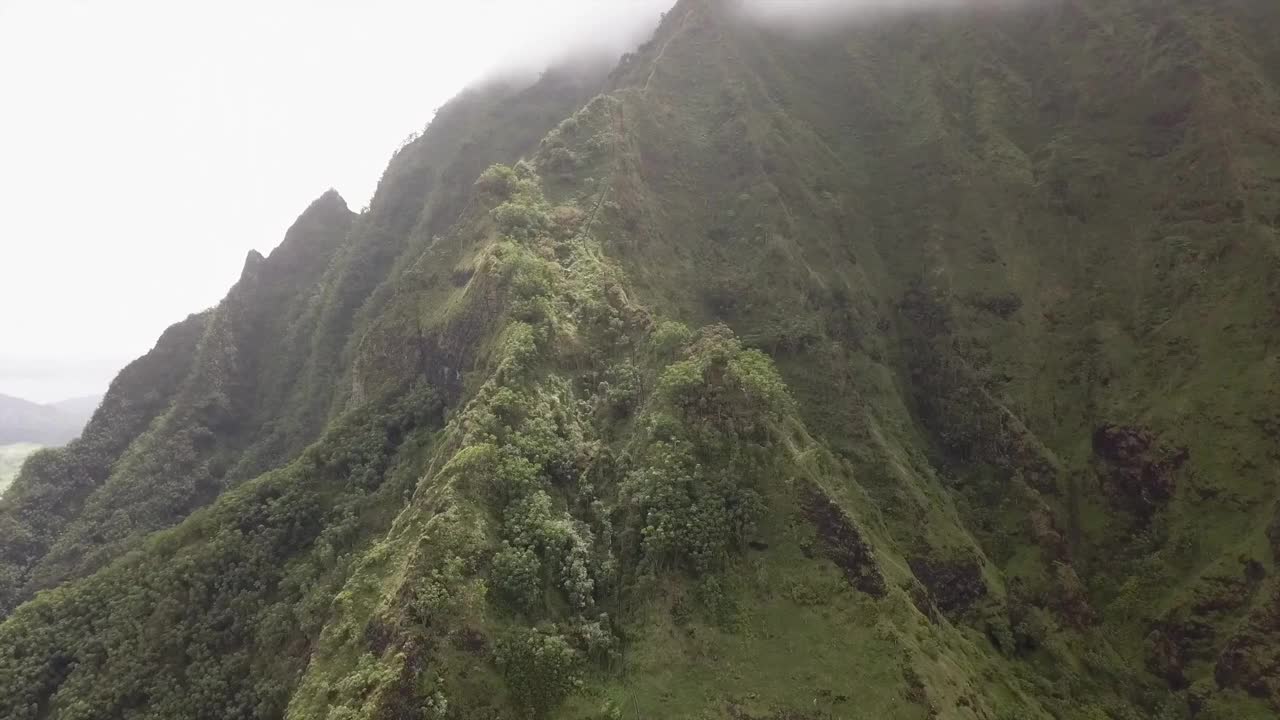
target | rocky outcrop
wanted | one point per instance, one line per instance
(843, 544)
(1139, 472)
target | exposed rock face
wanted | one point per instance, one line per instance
(1251, 659)
(1141, 470)
(843, 544)
(953, 585)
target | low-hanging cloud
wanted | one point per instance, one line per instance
(831, 14)
(536, 36)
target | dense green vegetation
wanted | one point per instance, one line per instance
(919, 369)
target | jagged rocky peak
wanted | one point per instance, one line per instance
(325, 211)
(253, 262)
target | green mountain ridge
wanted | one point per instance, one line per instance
(922, 369)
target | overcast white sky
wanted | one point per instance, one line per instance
(147, 145)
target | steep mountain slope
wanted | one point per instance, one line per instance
(921, 368)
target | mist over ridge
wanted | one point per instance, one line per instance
(832, 15)
(580, 32)
(542, 36)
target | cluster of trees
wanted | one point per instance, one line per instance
(653, 461)
(696, 496)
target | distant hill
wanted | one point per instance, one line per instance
(22, 421)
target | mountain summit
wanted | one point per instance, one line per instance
(922, 367)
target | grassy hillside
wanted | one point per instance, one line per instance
(919, 369)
